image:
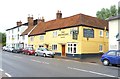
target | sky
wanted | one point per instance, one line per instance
(12, 11)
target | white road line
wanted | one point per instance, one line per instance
(40, 61)
(17, 57)
(92, 63)
(1, 69)
(91, 72)
(8, 75)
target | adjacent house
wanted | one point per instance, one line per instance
(114, 32)
(31, 25)
(13, 38)
(75, 36)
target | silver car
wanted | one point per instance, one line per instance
(44, 52)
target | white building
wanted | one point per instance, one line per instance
(31, 25)
(13, 38)
(114, 33)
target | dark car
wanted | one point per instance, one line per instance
(29, 51)
(17, 50)
(111, 57)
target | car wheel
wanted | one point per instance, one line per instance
(52, 56)
(28, 53)
(106, 62)
(36, 54)
(44, 55)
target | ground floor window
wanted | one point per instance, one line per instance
(72, 47)
(54, 47)
(101, 48)
(41, 46)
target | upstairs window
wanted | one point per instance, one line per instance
(41, 37)
(101, 33)
(18, 36)
(31, 38)
(55, 34)
(12, 31)
(18, 29)
(23, 37)
(107, 34)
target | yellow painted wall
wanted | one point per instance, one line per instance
(84, 46)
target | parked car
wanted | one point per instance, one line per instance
(29, 51)
(111, 57)
(5, 48)
(17, 50)
(44, 52)
(10, 49)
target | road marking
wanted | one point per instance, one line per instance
(1, 69)
(92, 63)
(8, 75)
(40, 61)
(17, 57)
(91, 72)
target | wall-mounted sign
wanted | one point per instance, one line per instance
(63, 34)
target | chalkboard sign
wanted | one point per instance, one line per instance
(88, 33)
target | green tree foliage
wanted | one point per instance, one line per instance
(106, 13)
(3, 38)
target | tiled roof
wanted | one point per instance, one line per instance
(25, 24)
(39, 29)
(79, 19)
(29, 28)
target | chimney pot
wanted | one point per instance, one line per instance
(58, 15)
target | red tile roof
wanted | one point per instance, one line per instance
(79, 19)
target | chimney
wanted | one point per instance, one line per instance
(58, 15)
(30, 20)
(41, 20)
(19, 23)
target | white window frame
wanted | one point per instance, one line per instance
(100, 49)
(54, 47)
(55, 34)
(31, 38)
(107, 34)
(71, 46)
(41, 45)
(41, 37)
(101, 33)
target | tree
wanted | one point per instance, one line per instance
(106, 13)
(3, 38)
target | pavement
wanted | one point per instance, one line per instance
(20, 65)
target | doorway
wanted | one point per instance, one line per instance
(63, 50)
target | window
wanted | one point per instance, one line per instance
(118, 53)
(31, 38)
(18, 29)
(41, 46)
(107, 34)
(54, 47)
(101, 33)
(72, 48)
(101, 48)
(88, 33)
(18, 36)
(112, 53)
(12, 31)
(41, 37)
(23, 37)
(55, 34)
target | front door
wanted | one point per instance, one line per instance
(63, 50)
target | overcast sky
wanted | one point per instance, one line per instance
(12, 11)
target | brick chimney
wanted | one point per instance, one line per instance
(58, 15)
(30, 21)
(19, 23)
(41, 20)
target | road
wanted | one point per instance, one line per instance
(20, 65)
